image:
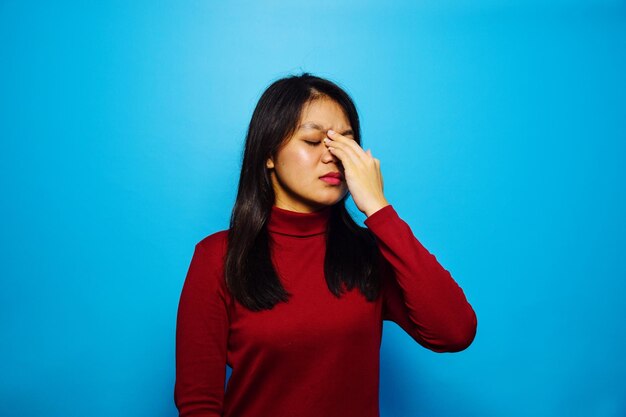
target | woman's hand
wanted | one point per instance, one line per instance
(361, 172)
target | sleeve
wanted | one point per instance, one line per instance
(201, 339)
(419, 294)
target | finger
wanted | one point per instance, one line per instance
(345, 154)
(349, 142)
(369, 153)
(355, 153)
(345, 158)
(343, 139)
(352, 148)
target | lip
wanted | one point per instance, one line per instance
(333, 174)
(331, 180)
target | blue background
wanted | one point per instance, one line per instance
(500, 130)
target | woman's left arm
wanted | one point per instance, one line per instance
(419, 294)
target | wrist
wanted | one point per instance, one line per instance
(375, 207)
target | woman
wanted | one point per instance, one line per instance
(292, 296)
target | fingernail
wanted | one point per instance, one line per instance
(331, 132)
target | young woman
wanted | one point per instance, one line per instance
(293, 295)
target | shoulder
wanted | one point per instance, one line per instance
(206, 272)
(214, 243)
(210, 252)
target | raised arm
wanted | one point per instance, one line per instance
(419, 294)
(201, 338)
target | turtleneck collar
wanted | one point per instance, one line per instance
(292, 223)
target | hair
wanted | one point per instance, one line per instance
(352, 256)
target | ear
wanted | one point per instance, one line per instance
(269, 163)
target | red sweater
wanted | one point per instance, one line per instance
(316, 355)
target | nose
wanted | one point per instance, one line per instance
(328, 157)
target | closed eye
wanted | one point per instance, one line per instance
(312, 143)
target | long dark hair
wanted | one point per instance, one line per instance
(351, 253)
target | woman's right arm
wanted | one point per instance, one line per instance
(202, 335)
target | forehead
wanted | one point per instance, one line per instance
(324, 114)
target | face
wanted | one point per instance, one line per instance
(304, 158)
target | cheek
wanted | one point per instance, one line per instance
(306, 157)
(298, 160)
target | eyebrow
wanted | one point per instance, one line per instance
(312, 125)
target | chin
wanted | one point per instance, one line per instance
(327, 199)
(332, 201)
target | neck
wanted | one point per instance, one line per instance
(293, 223)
